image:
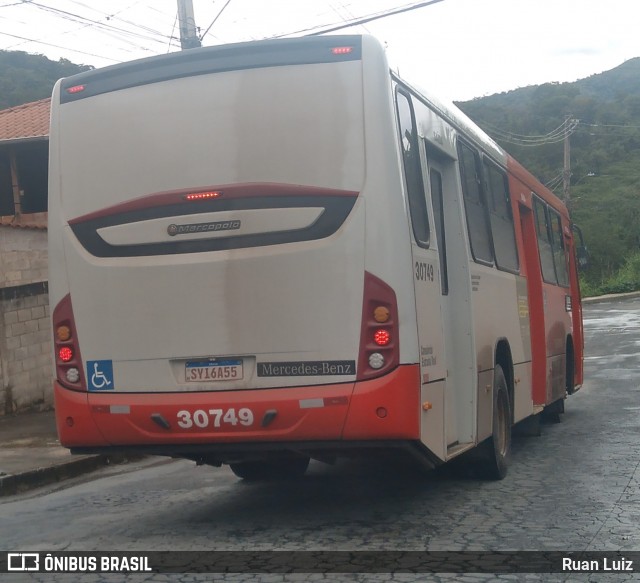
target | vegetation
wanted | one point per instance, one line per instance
(25, 77)
(626, 279)
(605, 160)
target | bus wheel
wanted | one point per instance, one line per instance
(498, 446)
(275, 469)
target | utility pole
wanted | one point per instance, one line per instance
(566, 173)
(188, 36)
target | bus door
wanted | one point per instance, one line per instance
(455, 301)
(436, 172)
(426, 281)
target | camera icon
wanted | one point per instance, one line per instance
(23, 561)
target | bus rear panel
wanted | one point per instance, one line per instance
(208, 268)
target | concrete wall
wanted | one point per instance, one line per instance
(23, 256)
(25, 329)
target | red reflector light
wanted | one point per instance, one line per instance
(76, 89)
(341, 50)
(382, 337)
(65, 353)
(202, 195)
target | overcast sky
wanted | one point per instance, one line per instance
(458, 49)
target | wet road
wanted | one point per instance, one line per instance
(576, 487)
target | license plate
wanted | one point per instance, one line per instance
(206, 371)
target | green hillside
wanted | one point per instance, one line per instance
(605, 159)
(25, 77)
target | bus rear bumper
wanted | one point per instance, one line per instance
(386, 408)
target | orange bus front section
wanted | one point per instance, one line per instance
(382, 408)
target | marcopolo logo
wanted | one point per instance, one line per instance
(212, 227)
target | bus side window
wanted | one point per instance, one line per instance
(435, 179)
(543, 233)
(559, 252)
(474, 205)
(501, 218)
(412, 169)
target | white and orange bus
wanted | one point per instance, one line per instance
(267, 252)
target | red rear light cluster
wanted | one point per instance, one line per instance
(341, 50)
(202, 195)
(67, 353)
(379, 343)
(382, 337)
(76, 89)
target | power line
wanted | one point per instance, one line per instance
(57, 46)
(373, 17)
(357, 21)
(172, 31)
(566, 128)
(609, 130)
(555, 136)
(555, 181)
(515, 135)
(215, 19)
(335, 10)
(72, 17)
(110, 30)
(43, 41)
(609, 125)
(611, 134)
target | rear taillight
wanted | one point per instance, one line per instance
(342, 50)
(379, 344)
(76, 89)
(193, 196)
(66, 350)
(382, 337)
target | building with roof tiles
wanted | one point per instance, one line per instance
(25, 335)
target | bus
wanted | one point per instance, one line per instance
(269, 252)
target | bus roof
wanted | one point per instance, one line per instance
(253, 54)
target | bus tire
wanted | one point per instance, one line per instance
(275, 469)
(498, 446)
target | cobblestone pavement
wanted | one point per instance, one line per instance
(575, 488)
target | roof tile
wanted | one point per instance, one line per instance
(30, 120)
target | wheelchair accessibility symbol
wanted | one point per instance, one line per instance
(100, 375)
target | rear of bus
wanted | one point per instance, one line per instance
(211, 294)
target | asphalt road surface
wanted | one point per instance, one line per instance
(574, 488)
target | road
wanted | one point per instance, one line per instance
(576, 487)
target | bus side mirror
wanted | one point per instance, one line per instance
(581, 249)
(583, 257)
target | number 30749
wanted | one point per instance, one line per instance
(215, 418)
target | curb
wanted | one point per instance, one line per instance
(609, 297)
(17, 483)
